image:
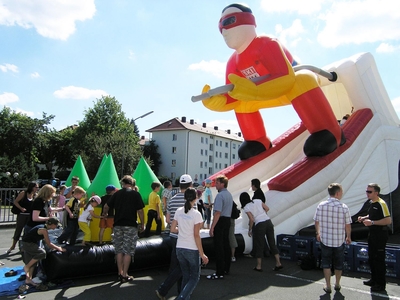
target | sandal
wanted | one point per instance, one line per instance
(327, 290)
(11, 273)
(277, 268)
(42, 287)
(126, 279)
(215, 276)
(258, 270)
(337, 287)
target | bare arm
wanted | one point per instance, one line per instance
(217, 214)
(348, 234)
(174, 226)
(141, 218)
(19, 198)
(317, 231)
(37, 218)
(47, 240)
(94, 215)
(197, 239)
(251, 222)
(381, 222)
(265, 207)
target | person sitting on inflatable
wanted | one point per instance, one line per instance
(257, 56)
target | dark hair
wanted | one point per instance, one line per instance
(375, 186)
(184, 186)
(127, 179)
(30, 187)
(333, 188)
(155, 185)
(256, 183)
(242, 7)
(190, 195)
(167, 184)
(244, 199)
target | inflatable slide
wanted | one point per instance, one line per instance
(294, 184)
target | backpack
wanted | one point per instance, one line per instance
(235, 211)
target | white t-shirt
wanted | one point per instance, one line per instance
(186, 224)
(85, 214)
(256, 209)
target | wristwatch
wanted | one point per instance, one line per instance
(372, 223)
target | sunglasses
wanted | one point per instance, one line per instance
(236, 19)
(369, 192)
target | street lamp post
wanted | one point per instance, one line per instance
(123, 153)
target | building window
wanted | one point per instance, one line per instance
(226, 144)
(207, 141)
(220, 165)
(216, 153)
(216, 165)
(174, 137)
(210, 170)
(202, 140)
(205, 164)
(226, 165)
(233, 156)
(220, 143)
(206, 152)
(201, 151)
(226, 155)
(211, 147)
(173, 164)
(220, 154)
(201, 177)
(174, 150)
(201, 164)
(216, 142)
(234, 146)
(210, 159)
(173, 175)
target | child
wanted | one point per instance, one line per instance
(60, 202)
(72, 210)
(33, 252)
(154, 209)
(166, 196)
(86, 216)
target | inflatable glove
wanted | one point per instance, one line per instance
(217, 102)
(244, 89)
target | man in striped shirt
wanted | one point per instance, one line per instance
(175, 273)
(333, 227)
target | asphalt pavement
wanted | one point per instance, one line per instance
(242, 283)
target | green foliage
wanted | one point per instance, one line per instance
(150, 151)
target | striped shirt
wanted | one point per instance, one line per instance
(332, 216)
(176, 202)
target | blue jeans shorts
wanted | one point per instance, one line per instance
(331, 255)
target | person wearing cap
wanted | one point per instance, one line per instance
(208, 202)
(33, 252)
(175, 272)
(86, 216)
(107, 221)
(128, 204)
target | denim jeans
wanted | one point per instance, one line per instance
(189, 260)
(174, 273)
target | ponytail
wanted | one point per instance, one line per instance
(190, 195)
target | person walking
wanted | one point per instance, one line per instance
(333, 228)
(189, 249)
(175, 272)
(220, 228)
(127, 204)
(377, 220)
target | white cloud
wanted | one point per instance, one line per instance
(214, 67)
(387, 48)
(6, 98)
(9, 67)
(51, 18)
(293, 32)
(24, 112)
(361, 21)
(301, 7)
(35, 75)
(132, 55)
(74, 92)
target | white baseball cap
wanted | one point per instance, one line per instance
(185, 178)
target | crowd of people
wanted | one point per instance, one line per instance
(186, 213)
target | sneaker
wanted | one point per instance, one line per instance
(233, 259)
(159, 295)
(369, 282)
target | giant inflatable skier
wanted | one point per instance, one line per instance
(277, 85)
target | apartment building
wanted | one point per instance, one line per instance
(191, 148)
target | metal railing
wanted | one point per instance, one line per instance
(7, 197)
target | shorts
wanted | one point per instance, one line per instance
(125, 240)
(106, 223)
(33, 251)
(332, 254)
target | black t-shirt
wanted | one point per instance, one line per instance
(32, 235)
(377, 211)
(43, 207)
(259, 194)
(104, 200)
(126, 203)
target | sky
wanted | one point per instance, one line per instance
(59, 56)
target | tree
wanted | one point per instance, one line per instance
(150, 152)
(104, 130)
(20, 139)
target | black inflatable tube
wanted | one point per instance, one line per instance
(79, 261)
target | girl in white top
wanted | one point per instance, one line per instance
(189, 249)
(260, 225)
(86, 216)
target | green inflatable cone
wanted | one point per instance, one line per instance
(79, 170)
(106, 175)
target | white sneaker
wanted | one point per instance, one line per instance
(37, 280)
(233, 259)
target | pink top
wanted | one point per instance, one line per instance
(61, 201)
